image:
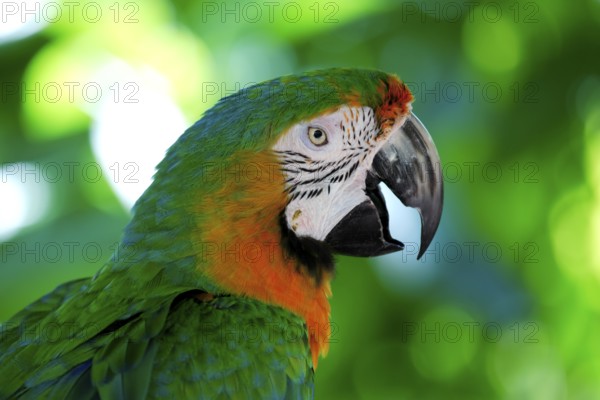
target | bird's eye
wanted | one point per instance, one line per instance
(317, 136)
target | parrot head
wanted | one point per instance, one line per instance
(273, 181)
(334, 163)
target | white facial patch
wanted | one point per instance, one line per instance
(325, 180)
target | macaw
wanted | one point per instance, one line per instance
(219, 287)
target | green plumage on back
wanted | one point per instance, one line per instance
(163, 353)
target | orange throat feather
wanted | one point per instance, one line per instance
(241, 251)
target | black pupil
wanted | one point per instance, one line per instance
(318, 133)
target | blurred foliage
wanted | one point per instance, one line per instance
(507, 305)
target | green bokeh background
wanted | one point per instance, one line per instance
(506, 306)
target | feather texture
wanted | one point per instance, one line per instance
(139, 328)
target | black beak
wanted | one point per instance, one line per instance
(409, 165)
